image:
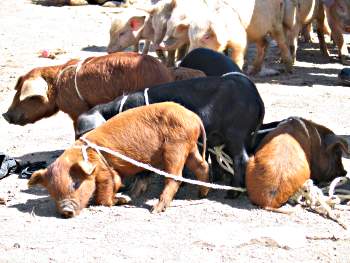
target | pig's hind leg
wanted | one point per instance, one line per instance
(200, 168)
(173, 162)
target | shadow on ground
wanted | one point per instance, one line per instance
(95, 48)
(307, 53)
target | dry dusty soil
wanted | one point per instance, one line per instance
(191, 230)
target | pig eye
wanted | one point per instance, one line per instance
(75, 185)
(206, 36)
(121, 34)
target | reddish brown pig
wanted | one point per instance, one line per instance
(295, 151)
(44, 91)
(163, 135)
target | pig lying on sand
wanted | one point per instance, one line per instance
(44, 91)
(295, 151)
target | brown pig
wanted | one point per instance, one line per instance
(163, 135)
(44, 91)
(295, 151)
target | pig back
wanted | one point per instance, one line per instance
(101, 79)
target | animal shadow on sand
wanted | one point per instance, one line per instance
(189, 192)
(309, 53)
(94, 48)
(44, 206)
(35, 157)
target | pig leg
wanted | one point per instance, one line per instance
(238, 46)
(343, 53)
(146, 47)
(240, 159)
(170, 62)
(108, 183)
(320, 34)
(181, 52)
(200, 168)
(278, 35)
(306, 33)
(174, 161)
(260, 54)
(161, 56)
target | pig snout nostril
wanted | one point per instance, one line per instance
(6, 117)
(67, 213)
(68, 208)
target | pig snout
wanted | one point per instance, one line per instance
(68, 208)
(6, 117)
(13, 118)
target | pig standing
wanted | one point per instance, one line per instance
(338, 16)
(295, 151)
(299, 14)
(44, 91)
(232, 26)
(163, 135)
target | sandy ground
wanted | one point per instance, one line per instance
(191, 230)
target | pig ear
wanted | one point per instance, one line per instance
(86, 167)
(333, 140)
(38, 177)
(137, 22)
(34, 87)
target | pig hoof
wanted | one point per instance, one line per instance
(158, 208)
(121, 199)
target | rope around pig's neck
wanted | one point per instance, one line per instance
(77, 67)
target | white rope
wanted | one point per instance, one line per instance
(122, 102)
(125, 97)
(77, 68)
(309, 195)
(145, 93)
(79, 64)
(155, 170)
(235, 73)
(337, 181)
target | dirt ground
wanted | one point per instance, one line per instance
(191, 230)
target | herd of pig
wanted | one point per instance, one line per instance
(176, 26)
(128, 105)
